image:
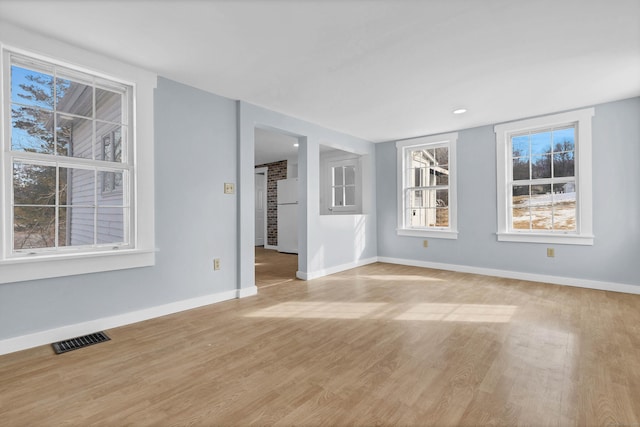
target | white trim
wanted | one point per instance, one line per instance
(451, 141)
(264, 170)
(558, 239)
(419, 232)
(533, 277)
(336, 269)
(271, 247)
(247, 292)
(70, 331)
(583, 175)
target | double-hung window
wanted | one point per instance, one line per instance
(427, 200)
(68, 170)
(544, 179)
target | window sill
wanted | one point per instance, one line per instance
(435, 234)
(44, 267)
(564, 239)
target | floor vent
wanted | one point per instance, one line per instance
(79, 342)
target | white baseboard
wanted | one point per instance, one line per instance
(332, 270)
(23, 342)
(556, 280)
(247, 292)
(271, 247)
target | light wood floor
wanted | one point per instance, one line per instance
(377, 345)
(274, 268)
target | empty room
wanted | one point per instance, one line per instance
(301, 213)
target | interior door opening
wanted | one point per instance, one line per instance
(277, 224)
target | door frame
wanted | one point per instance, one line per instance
(265, 172)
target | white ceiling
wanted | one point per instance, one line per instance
(272, 146)
(377, 69)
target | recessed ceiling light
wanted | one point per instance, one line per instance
(460, 111)
(296, 144)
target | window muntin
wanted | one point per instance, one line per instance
(68, 155)
(427, 186)
(543, 181)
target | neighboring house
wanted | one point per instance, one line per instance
(92, 213)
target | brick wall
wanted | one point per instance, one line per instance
(276, 172)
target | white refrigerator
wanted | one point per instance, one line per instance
(288, 215)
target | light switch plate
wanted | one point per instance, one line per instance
(229, 188)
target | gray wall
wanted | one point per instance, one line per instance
(613, 258)
(195, 151)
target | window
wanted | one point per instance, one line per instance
(544, 179)
(67, 133)
(343, 185)
(340, 182)
(427, 201)
(68, 170)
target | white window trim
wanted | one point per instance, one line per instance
(13, 269)
(450, 232)
(583, 174)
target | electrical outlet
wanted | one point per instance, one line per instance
(551, 252)
(425, 243)
(229, 188)
(216, 264)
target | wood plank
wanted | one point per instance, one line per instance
(377, 345)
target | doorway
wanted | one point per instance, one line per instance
(276, 196)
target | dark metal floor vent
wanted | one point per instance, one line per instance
(79, 342)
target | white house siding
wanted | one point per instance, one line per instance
(86, 188)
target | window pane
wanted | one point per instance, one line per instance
(520, 146)
(338, 177)
(350, 196)
(417, 198)
(34, 184)
(564, 208)
(541, 217)
(442, 179)
(442, 156)
(110, 185)
(563, 164)
(111, 225)
(62, 227)
(109, 142)
(31, 88)
(31, 130)
(540, 143)
(417, 217)
(521, 168)
(442, 198)
(564, 140)
(81, 186)
(33, 227)
(74, 136)
(349, 175)
(541, 166)
(541, 207)
(74, 97)
(80, 226)
(521, 219)
(337, 197)
(442, 217)
(108, 105)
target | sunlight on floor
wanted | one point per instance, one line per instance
(392, 277)
(319, 310)
(460, 313)
(357, 310)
